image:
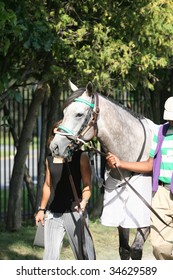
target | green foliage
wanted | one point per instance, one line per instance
(118, 43)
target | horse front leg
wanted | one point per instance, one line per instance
(124, 248)
(136, 250)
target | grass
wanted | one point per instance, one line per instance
(18, 245)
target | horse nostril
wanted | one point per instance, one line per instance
(56, 150)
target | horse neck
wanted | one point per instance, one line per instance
(119, 131)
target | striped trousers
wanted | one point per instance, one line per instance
(55, 227)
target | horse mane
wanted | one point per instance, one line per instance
(80, 91)
(134, 114)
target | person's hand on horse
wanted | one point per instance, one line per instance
(112, 160)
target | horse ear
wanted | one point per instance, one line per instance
(89, 89)
(73, 87)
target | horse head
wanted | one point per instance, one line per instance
(79, 121)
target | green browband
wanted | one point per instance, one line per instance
(84, 101)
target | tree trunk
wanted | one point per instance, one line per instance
(43, 144)
(30, 188)
(55, 113)
(27, 177)
(14, 218)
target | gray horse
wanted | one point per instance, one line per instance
(88, 114)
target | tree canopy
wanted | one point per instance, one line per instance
(116, 44)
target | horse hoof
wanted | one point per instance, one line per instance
(136, 254)
(124, 253)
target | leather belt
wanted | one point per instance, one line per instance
(166, 186)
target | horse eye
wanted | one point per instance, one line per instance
(79, 115)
